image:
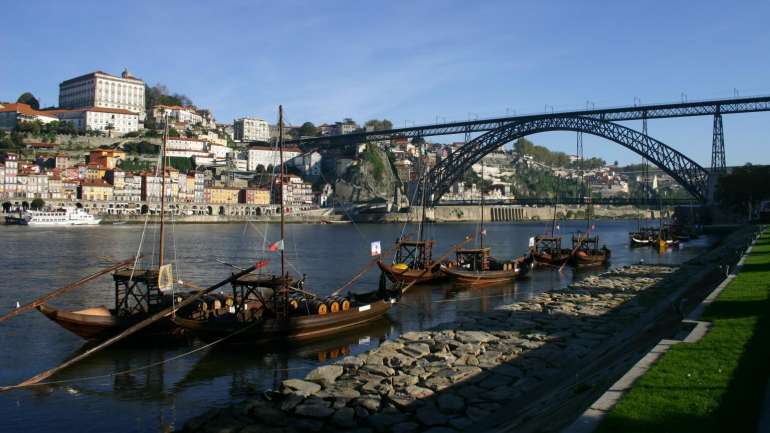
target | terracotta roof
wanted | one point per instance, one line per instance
(23, 109)
(96, 182)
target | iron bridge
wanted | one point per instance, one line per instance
(496, 132)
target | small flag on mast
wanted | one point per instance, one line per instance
(276, 246)
(376, 248)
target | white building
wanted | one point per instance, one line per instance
(268, 155)
(13, 114)
(251, 129)
(10, 171)
(130, 190)
(204, 153)
(177, 114)
(185, 144)
(100, 89)
(117, 120)
(296, 192)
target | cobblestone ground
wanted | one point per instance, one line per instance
(451, 377)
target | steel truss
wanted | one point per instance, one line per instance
(658, 111)
(718, 164)
(685, 171)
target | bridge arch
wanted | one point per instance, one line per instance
(688, 173)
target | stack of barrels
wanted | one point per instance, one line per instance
(303, 305)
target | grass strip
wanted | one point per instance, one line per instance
(718, 383)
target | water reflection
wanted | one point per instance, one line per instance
(177, 387)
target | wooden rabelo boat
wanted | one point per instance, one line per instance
(137, 296)
(586, 251)
(547, 251)
(475, 268)
(267, 307)
(139, 292)
(412, 263)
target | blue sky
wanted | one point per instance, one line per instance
(412, 62)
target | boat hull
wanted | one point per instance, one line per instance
(468, 278)
(545, 259)
(97, 324)
(416, 276)
(297, 328)
(589, 260)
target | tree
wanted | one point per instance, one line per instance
(308, 130)
(37, 204)
(159, 94)
(379, 125)
(744, 188)
(29, 99)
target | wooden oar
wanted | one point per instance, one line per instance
(131, 330)
(579, 244)
(60, 291)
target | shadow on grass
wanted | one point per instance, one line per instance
(730, 368)
(755, 267)
(739, 408)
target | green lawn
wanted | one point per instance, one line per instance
(717, 384)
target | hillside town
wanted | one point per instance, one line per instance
(100, 146)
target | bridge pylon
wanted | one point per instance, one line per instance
(718, 146)
(718, 165)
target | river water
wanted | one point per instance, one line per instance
(163, 396)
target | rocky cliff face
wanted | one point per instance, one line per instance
(372, 179)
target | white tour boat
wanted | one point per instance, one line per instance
(69, 216)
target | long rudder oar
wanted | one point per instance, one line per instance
(131, 330)
(60, 291)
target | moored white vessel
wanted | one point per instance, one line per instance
(59, 217)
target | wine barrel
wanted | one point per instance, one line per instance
(294, 301)
(345, 304)
(334, 305)
(313, 306)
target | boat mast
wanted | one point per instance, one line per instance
(422, 204)
(481, 228)
(284, 288)
(162, 189)
(555, 202)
